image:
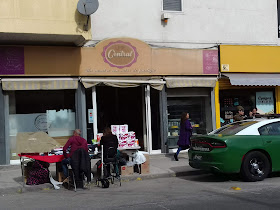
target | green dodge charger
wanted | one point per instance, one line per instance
(250, 147)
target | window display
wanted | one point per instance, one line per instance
(195, 106)
(249, 99)
(52, 112)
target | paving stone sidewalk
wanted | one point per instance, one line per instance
(161, 165)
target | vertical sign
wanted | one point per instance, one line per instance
(210, 62)
(265, 102)
(90, 115)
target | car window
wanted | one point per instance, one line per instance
(232, 129)
(270, 129)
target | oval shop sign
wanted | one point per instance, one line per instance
(119, 54)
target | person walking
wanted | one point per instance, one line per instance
(185, 134)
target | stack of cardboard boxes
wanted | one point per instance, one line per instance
(144, 168)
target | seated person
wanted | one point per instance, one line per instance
(109, 140)
(75, 142)
(254, 113)
(240, 114)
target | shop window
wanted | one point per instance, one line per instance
(262, 99)
(196, 107)
(172, 5)
(52, 112)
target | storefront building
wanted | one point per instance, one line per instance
(161, 84)
(37, 93)
(250, 78)
(119, 81)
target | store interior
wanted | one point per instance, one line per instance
(231, 99)
(118, 106)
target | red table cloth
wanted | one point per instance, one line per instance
(45, 158)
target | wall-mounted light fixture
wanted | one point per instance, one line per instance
(165, 17)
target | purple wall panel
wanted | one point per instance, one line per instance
(11, 60)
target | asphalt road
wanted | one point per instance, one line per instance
(197, 190)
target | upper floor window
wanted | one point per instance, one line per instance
(172, 5)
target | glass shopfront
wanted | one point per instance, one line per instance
(195, 101)
(262, 98)
(52, 112)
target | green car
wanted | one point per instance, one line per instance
(249, 147)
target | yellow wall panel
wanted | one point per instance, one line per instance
(249, 59)
(42, 17)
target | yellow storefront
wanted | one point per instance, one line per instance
(249, 78)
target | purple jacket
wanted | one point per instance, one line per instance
(185, 134)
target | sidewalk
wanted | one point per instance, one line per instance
(161, 165)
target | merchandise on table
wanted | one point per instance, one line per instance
(127, 139)
(99, 135)
(115, 129)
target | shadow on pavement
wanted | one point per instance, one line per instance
(204, 176)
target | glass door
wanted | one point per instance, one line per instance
(196, 107)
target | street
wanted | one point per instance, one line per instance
(196, 190)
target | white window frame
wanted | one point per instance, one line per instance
(171, 11)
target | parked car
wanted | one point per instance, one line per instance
(249, 147)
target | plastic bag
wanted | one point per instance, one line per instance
(139, 158)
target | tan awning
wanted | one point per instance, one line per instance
(123, 82)
(177, 82)
(39, 83)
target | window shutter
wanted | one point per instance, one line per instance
(172, 5)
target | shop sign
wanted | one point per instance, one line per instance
(210, 62)
(90, 115)
(12, 60)
(119, 54)
(265, 102)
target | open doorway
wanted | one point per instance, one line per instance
(118, 106)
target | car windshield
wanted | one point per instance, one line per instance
(232, 129)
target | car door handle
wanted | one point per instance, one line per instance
(268, 141)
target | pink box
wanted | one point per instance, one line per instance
(131, 143)
(115, 129)
(123, 136)
(131, 135)
(122, 143)
(123, 128)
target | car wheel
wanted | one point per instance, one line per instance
(255, 166)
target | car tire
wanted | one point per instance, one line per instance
(255, 167)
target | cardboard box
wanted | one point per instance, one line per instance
(145, 167)
(126, 170)
(115, 129)
(124, 128)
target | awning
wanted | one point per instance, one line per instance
(39, 83)
(177, 82)
(254, 79)
(123, 82)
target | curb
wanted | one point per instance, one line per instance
(153, 176)
(47, 186)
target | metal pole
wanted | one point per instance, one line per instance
(102, 166)
(148, 118)
(94, 107)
